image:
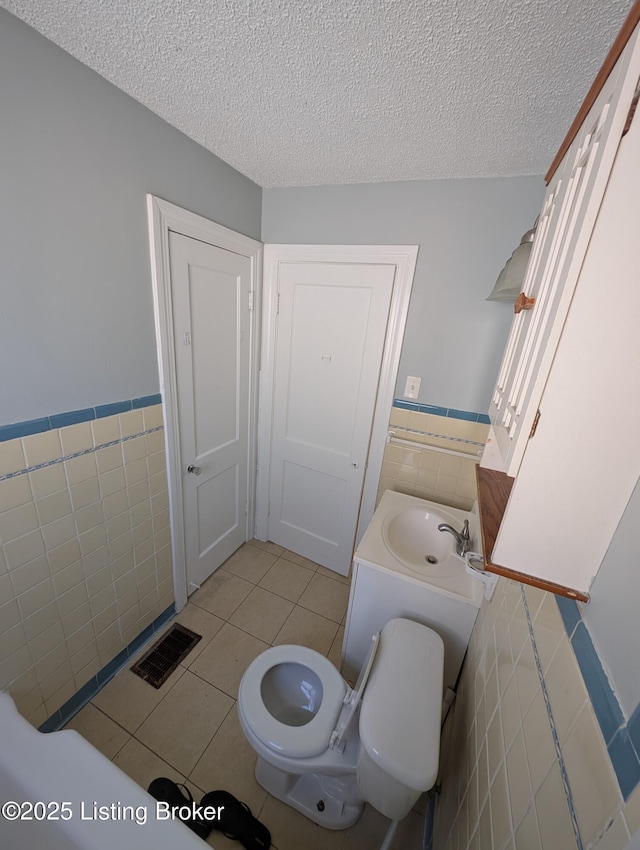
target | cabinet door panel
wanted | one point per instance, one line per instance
(569, 212)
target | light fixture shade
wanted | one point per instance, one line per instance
(509, 283)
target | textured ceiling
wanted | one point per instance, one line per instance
(343, 91)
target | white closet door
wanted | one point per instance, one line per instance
(331, 331)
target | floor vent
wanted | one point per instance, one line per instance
(161, 660)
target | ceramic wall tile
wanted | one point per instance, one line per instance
(40, 448)
(76, 438)
(593, 784)
(76, 514)
(442, 477)
(534, 767)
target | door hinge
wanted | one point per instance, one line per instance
(187, 338)
(277, 302)
(535, 425)
(632, 110)
(250, 300)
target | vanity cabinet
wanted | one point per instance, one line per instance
(379, 594)
(560, 462)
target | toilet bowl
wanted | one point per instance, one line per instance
(326, 749)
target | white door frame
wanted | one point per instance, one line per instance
(163, 217)
(404, 258)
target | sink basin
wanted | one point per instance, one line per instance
(403, 538)
(411, 535)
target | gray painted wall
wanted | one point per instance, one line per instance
(466, 230)
(77, 157)
(612, 614)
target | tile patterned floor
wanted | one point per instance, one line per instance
(188, 730)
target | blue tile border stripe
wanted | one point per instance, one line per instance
(605, 705)
(570, 614)
(624, 758)
(103, 410)
(73, 417)
(621, 737)
(449, 412)
(88, 691)
(556, 741)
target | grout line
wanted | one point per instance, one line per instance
(554, 732)
(324, 616)
(91, 450)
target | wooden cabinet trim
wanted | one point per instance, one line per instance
(631, 21)
(494, 489)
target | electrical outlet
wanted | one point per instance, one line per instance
(412, 387)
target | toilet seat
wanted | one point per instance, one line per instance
(295, 741)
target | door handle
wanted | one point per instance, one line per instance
(195, 470)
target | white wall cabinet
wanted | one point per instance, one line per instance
(575, 357)
(572, 202)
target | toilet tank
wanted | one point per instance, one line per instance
(400, 718)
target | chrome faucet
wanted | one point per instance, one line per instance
(462, 538)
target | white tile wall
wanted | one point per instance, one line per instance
(85, 553)
(515, 741)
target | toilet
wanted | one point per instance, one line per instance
(326, 749)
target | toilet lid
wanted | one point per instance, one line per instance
(401, 735)
(295, 741)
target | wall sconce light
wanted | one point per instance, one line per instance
(509, 283)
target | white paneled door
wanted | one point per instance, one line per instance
(330, 337)
(210, 290)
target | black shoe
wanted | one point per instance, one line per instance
(166, 791)
(236, 821)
